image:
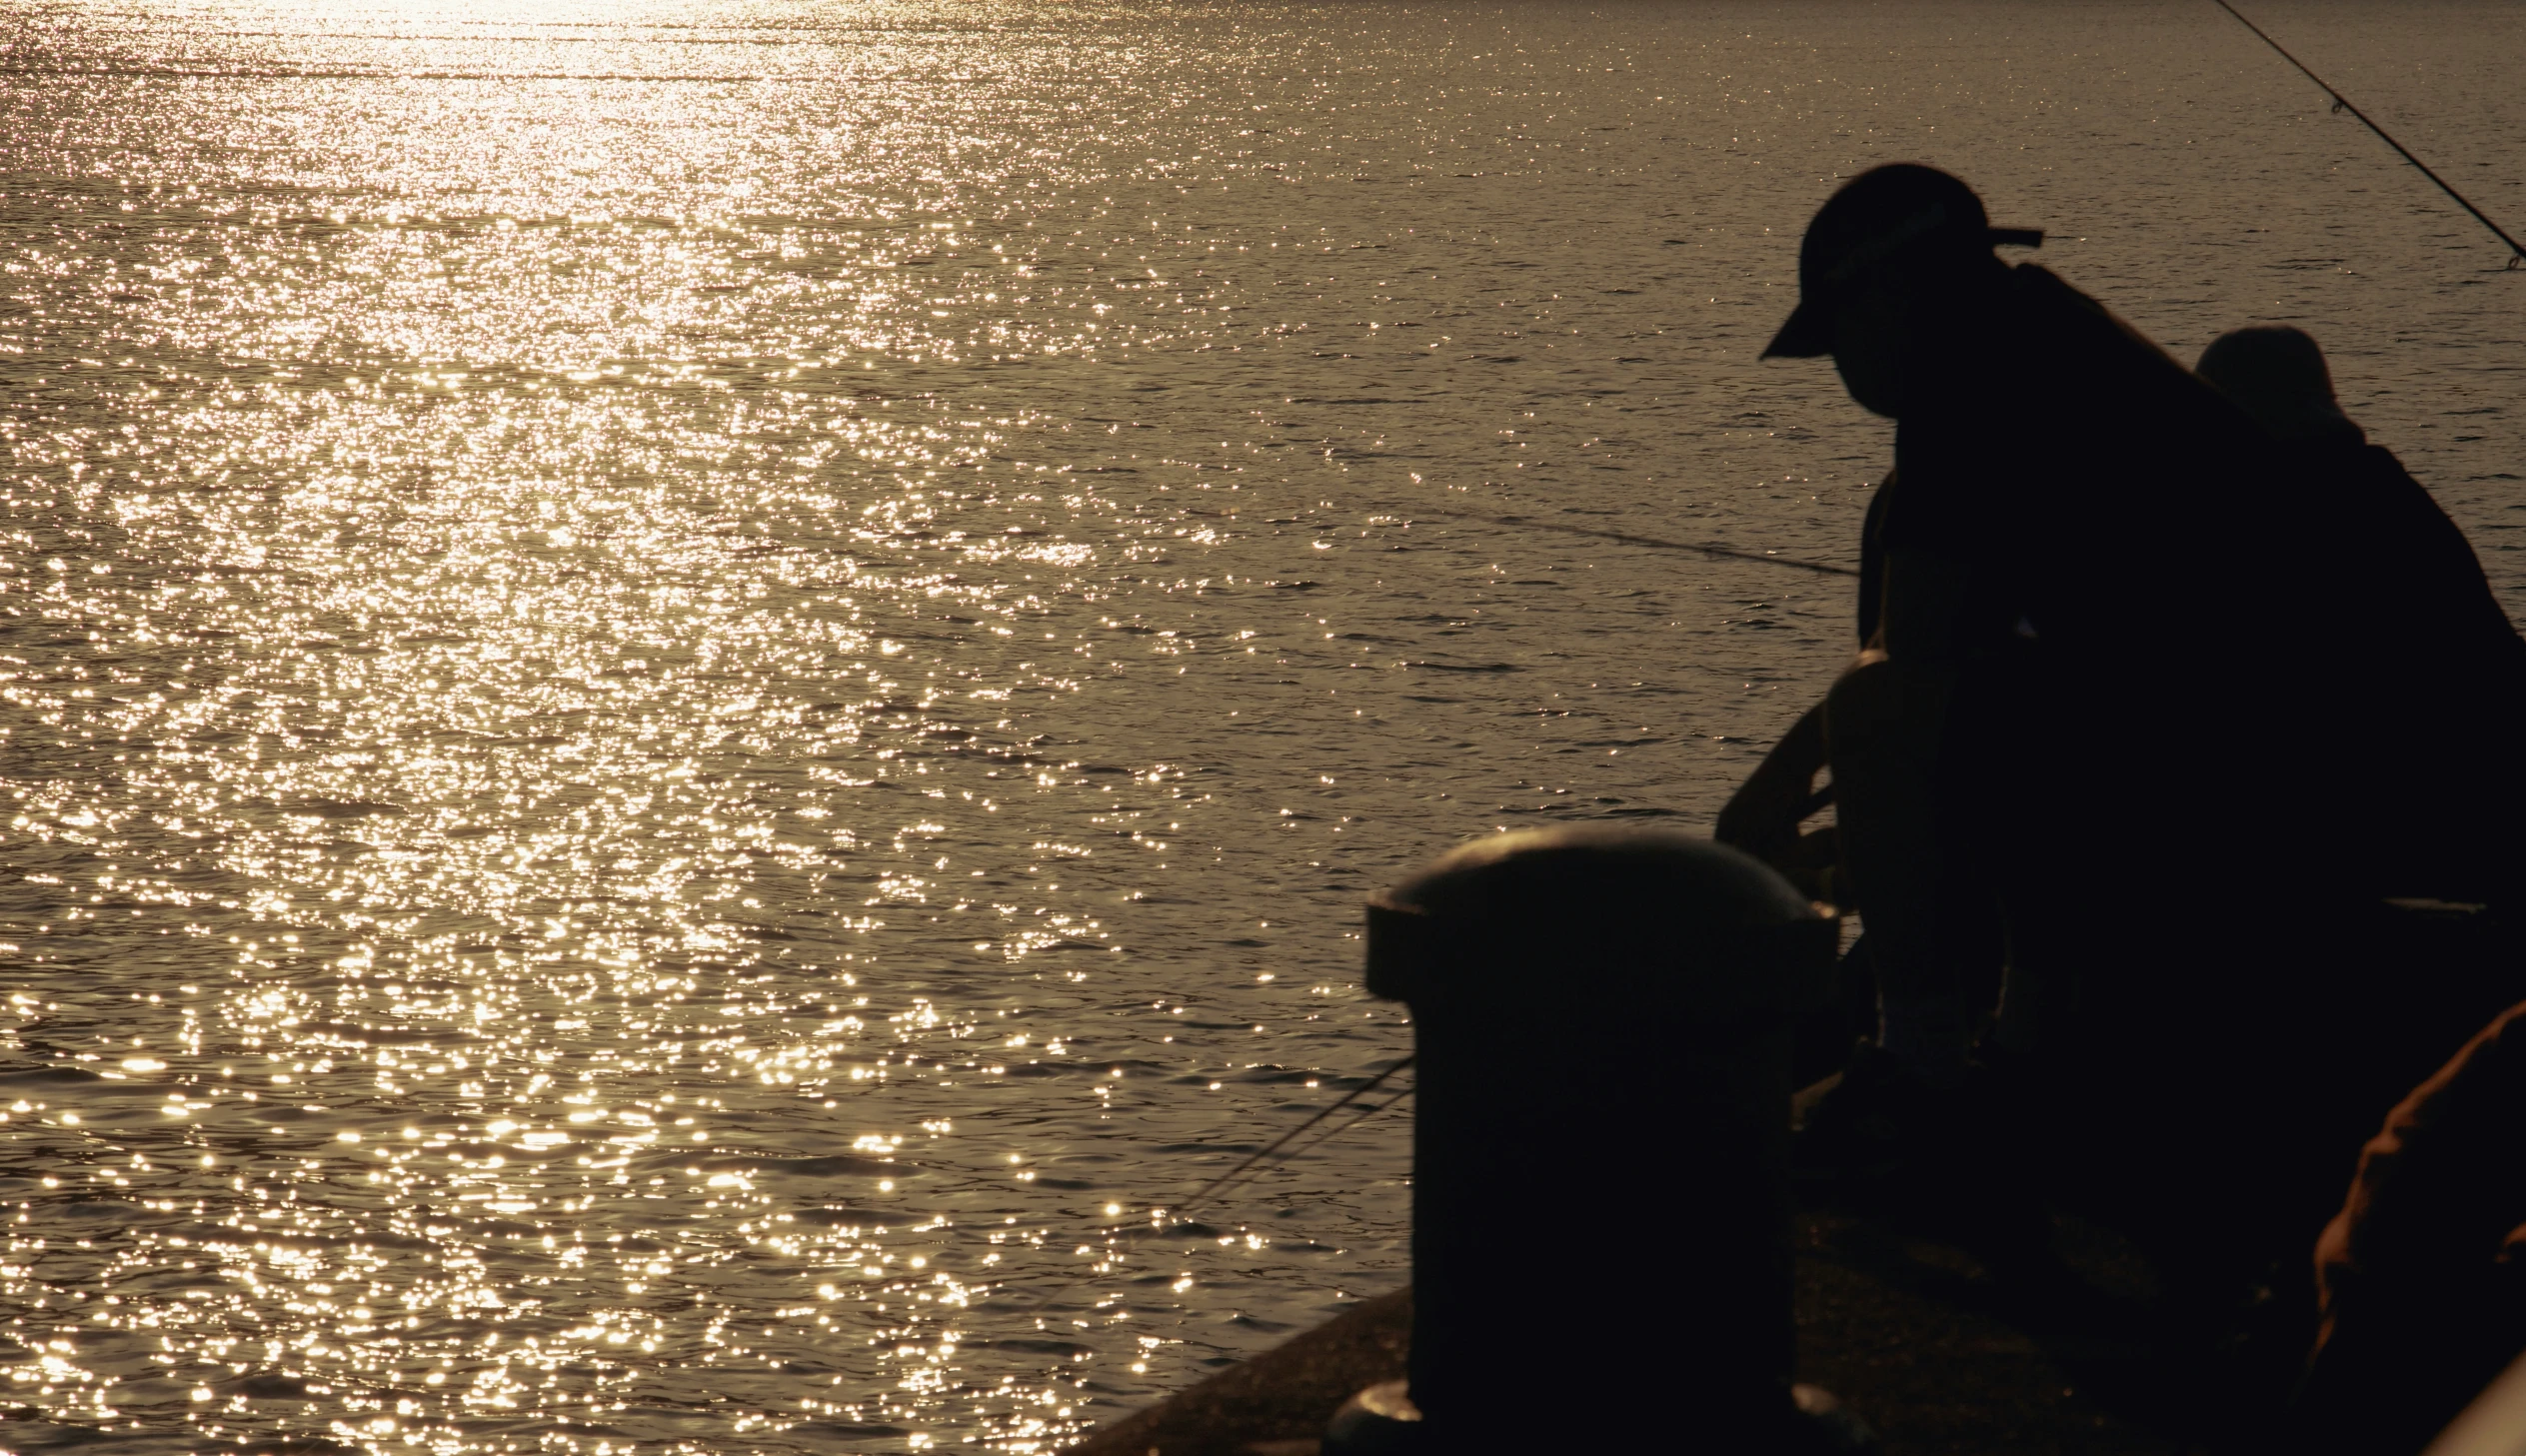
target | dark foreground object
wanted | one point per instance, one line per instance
(1621, 1001)
(1626, 1000)
(1910, 1334)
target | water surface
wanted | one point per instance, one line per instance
(692, 691)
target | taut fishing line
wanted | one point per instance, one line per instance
(1709, 549)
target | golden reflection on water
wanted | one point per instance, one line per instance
(508, 635)
(694, 696)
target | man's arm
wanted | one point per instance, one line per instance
(1763, 815)
(1894, 699)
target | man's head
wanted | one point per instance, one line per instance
(2277, 375)
(1881, 269)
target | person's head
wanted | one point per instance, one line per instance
(2277, 375)
(1882, 272)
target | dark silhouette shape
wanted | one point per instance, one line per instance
(2028, 596)
(2426, 669)
(1624, 999)
(2424, 1270)
(2088, 709)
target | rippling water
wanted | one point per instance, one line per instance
(692, 692)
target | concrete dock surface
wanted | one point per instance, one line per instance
(1912, 1334)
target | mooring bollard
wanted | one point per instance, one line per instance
(1600, 1149)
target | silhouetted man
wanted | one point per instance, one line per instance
(2429, 698)
(2082, 634)
(2051, 545)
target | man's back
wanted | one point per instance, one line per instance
(2105, 506)
(2422, 705)
(2407, 717)
(2402, 583)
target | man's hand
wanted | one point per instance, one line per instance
(1813, 865)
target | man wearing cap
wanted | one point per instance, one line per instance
(2078, 637)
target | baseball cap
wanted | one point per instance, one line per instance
(1900, 210)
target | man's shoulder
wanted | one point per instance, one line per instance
(2086, 360)
(2037, 281)
(2370, 459)
(2052, 312)
(2041, 293)
(2349, 464)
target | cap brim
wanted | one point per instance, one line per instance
(1808, 334)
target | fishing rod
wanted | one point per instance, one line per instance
(2516, 250)
(1354, 1096)
(1322, 1138)
(1202, 1194)
(1329, 1134)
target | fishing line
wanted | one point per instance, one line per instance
(2516, 250)
(1727, 552)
